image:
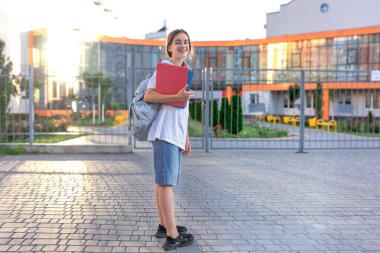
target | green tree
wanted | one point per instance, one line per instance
(318, 101)
(225, 114)
(195, 110)
(215, 113)
(5, 84)
(102, 82)
(370, 117)
(236, 114)
(105, 86)
(96, 81)
(370, 121)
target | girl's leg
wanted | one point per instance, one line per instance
(166, 207)
(162, 221)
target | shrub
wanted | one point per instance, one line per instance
(318, 101)
(236, 114)
(115, 106)
(362, 127)
(370, 117)
(377, 127)
(6, 88)
(215, 113)
(195, 110)
(225, 114)
(343, 125)
(78, 116)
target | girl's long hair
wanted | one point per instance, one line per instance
(169, 41)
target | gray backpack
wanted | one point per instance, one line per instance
(141, 114)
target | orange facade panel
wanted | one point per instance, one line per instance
(248, 42)
(31, 36)
(325, 34)
(132, 41)
(265, 87)
(311, 86)
(288, 38)
(351, 86)
(274, 87)
(325, 109)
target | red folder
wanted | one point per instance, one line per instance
(170, 79)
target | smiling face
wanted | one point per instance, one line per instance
(179, 47)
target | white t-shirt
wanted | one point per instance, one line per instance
(171, 122)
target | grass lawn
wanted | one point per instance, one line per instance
(55, 138)
(256, 131)
(6, 150)
(249, 131)
(108, 122)
(195, 128)
(48, 138)
(18, 150)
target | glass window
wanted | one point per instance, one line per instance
(81, 87)
(375, 38)
(376, 101)
(62, 90)
(254, 98)
(296, 60)
(341, 57)
(367, 101)
(363, 54)
(213, 52)
(363, 39)
(55, 89)
(372, 101)
(286, 100)
(71, 91)
(352, 56)
(309, 100)
(374, 56)
(344, 99)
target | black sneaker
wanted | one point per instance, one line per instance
(161, 231)
(181, 241)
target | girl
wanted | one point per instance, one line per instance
(170, 139)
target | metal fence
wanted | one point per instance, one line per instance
(231, 109)
(69, 110)
(291, 109)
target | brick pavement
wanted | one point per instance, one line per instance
(232, 201)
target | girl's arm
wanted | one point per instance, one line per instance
(152, 96)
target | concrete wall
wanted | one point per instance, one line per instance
(305, 16)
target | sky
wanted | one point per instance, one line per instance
(202, 19)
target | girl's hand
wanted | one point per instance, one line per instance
(187, 147)
(184, 94)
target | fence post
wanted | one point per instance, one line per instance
(31, 104)
(130, 90)
(207, 111)
(302, 112)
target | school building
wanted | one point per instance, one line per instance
(337, 43)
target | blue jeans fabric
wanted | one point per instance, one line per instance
(167, 163)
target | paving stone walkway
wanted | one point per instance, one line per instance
(232, 201)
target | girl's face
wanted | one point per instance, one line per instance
(180, 47)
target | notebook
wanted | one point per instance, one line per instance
(170, 79)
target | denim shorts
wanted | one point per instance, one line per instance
(167, 163)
